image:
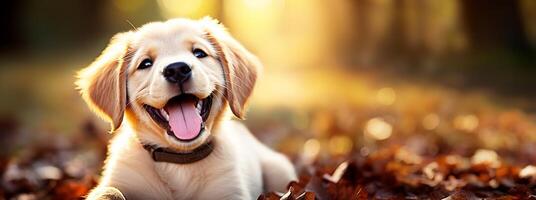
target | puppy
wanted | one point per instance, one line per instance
(168, 89)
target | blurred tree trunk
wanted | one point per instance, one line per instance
(396, 45)
(362, 21)
(358, 47)
(494, 25)
(46, 25)
(89, 17)
(10, 36)
(397, 38)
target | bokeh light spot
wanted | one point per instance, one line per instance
(408, 157)
(484, 156)
(311, 148)
(378, 129)
(466, 122)
(386, 96)
(340, 145)
(430, 121)
(528, 171)
(364, 151)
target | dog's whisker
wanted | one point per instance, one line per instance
(130, 23)
(218, 93)
(143, 87)
(232, 84)
(136, 98)
(239, 79)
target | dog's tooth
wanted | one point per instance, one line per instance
(199, 106)
(164, 114)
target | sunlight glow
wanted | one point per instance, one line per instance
(187, 8)
(129, 6)
(258, 4)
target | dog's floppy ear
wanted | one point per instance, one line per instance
(103, 83)
(240, 67)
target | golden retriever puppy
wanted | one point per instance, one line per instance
(168, 89)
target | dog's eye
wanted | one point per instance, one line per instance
(145, 64)
(199, 53)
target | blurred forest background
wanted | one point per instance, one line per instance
(342, 78)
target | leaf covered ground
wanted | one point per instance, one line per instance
(393, 141)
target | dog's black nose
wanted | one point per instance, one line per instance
(177, 72)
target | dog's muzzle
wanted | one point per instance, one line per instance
(183, 116)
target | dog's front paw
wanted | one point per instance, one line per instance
(106, 193)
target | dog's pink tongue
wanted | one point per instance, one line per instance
(184, 119)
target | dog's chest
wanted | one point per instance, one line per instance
(188, 181)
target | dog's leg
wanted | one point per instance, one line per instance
(106, 193)
(233, 188)
(277, 171)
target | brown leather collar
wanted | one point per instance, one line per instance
(160, 154)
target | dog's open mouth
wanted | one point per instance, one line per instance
(183, 116)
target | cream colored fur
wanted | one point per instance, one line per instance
(240, 167)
